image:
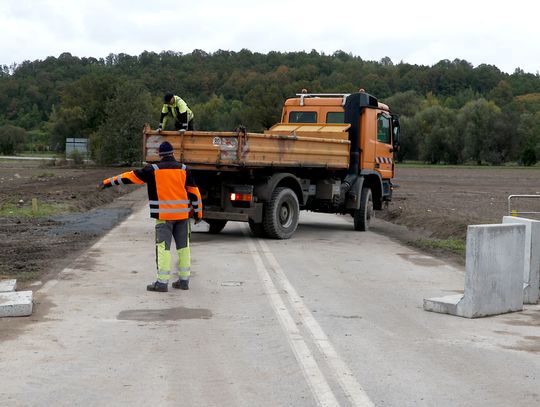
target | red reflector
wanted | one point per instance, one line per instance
(240, 197)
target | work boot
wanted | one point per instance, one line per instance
(181, 284)
(157, 286)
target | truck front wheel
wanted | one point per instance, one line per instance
(363, 215)
(216, 225)
(281, 214)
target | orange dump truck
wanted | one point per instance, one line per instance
(331, 153)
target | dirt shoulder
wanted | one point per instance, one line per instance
(436, 204)
(71, 214)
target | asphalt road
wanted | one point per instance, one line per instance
(329, 317)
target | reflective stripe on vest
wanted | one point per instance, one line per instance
(116, 180)
(175, 210)
(179, 202)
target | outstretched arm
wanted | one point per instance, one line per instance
(130, 177)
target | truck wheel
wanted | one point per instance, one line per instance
(257, 229)
(216, 225)
(363, 215)
(281, 214)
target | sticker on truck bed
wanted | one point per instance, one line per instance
(228, 148)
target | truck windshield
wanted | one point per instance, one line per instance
(303, 117)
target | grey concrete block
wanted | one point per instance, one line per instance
(531, 270)
(8, 285)
(493, 273)
(16, 304)
(443, 305)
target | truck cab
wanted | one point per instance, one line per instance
(373, 128)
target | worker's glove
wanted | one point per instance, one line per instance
(182, 131)
(197, 221)
(101, 186)
(159, 128)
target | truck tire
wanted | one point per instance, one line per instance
(216, 225)
(281, 214)
(257, 229)
(364, 214)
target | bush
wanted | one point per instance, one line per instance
(528, 157)
(77, 157)
(11, 139)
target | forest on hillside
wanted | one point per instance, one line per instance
(451, 112)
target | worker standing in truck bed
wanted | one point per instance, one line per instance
(179, 110)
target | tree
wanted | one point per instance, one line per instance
(529, 133)
(118, 139)
(405, 103)
(438, 138)
(501, 94)
(65, 123)
(478, 121)
(219, 114)
(12, 139)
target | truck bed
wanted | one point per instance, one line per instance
(284, 145)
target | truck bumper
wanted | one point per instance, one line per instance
(255, 213)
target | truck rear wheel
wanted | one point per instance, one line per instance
(281, 214)
(363, 215)
(216, 225)
(257, 229)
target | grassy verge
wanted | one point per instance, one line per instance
(22, 277)
(28, 211)
(452, 246)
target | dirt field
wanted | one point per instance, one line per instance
(432, 202)
(444, 200)
(71, 214)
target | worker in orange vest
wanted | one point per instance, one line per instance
(173, 196)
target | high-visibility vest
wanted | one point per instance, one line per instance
(171, 109)
(172, 193)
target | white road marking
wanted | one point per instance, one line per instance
(354, 392)
(315, 378)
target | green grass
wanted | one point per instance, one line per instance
(22, 276)
(451, 244)
(25, 211)
(45, 175)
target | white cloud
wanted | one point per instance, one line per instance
(415, 31)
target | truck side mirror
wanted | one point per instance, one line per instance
(396, 133)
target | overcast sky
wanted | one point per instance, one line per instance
(501, 33)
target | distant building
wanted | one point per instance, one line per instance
(77, 144)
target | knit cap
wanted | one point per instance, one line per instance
(165, 148)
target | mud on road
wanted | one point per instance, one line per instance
(430, 203)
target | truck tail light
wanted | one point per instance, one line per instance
(240, 197)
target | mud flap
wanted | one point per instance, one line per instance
(354, 195)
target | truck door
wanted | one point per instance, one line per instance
(383, 149)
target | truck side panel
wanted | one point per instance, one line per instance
(320, 146)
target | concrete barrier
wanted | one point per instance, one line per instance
(8, 285)
(493, 273)
(16, 304)
(531, 270)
